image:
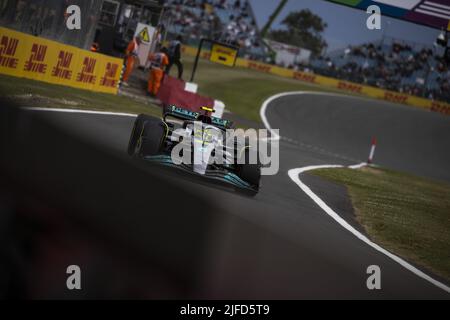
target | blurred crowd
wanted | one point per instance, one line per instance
(391, 65)
(229, 21)
(395, 66)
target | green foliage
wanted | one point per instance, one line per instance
(302, 29)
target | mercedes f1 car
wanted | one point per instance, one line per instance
(157, 140)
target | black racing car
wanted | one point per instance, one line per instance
(205, 136)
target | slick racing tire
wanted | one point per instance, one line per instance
(152, 137)
(137, 132)
(250, 173)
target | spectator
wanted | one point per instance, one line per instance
(227, 21)
(396, 67)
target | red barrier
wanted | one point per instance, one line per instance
(172, 92)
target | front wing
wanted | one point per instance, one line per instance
(221, 175)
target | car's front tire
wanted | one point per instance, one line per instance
(152, 137)
(146, 137)
(138, 127)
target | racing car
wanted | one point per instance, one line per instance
(154, 140)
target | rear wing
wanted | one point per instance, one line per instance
(183, 114)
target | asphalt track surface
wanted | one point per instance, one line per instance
(302, 252)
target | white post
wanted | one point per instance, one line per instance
(372, 150)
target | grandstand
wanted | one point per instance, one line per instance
(388, 64)
(391, 64)
(229, 21)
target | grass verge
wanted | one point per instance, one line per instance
(407, 215)
(242, 90)
(31, 93)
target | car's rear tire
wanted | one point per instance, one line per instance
(152, 137)
(137, 132)
(251, 173)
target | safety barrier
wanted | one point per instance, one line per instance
(345, 86)
(27, 56)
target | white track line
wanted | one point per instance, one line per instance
(262, 111)
(120, 114)
(294, 174)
